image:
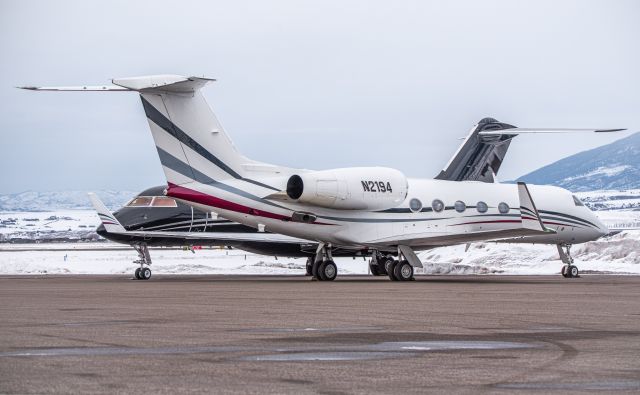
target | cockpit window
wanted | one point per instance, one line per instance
(163, 201)
(140, 201)
(577, 201)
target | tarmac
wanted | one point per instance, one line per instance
(288, 334)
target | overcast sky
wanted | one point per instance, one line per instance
(317, 85)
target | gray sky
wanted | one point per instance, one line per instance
(317, 85)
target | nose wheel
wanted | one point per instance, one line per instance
(144, 260)
(569, 270)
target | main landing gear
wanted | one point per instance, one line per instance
(397, 270)
(144, 259)
(322, 266)
(400, 270)
(569, 270)
(379, 264)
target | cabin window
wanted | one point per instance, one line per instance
(415, 205)
(437, 205)
(577, 201)
(482, 207)
(503, 208)
(140, 201)
(460, 206)
(163, 201)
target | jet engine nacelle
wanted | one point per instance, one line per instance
(355, 188)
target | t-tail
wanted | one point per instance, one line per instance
(191, 142)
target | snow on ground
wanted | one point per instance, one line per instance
(611, 199)
(47, 225)
(111, 258)
(615, 254)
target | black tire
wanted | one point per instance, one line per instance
(390, 271)
(309, 267)
(564, 271)
(329, 271)
(137, 274)
(384, 268)
(320, 274)
(573, 271)
(403, 271)
(374, 269)
(145, 273)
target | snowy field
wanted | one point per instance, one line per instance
(615, 254)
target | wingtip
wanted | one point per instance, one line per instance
(30, 88)
(610, 130)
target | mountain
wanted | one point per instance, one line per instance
(612, 166)
(59, 200)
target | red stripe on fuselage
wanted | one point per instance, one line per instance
(191, 195)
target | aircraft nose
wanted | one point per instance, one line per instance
(101, 230)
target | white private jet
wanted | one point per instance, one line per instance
(361, 208)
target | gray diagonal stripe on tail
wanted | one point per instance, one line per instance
(165, 123)
(159, 119)
(180, 167)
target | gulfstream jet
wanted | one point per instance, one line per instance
(373, 209)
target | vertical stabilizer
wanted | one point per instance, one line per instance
(191, 143)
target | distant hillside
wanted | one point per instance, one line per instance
(612, 166)
(52, 201)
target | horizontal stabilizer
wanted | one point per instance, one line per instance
(516, 131)
(103, 88)
(165, 83)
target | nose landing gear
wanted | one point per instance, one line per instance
(569, 270)
(144, 260)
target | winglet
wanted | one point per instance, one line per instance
(111, 224)
(528, 211)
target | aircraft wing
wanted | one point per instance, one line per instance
(482, 152)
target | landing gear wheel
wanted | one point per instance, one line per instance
(374, 269)
(309, 267)
(573, 271)
(391, 270)
(328, 271)
(403, 271)
(564, 271)
(388, 266)
(145, 273)
(137, 274)
(320, 275)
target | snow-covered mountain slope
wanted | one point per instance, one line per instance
(60, 200)
(612, 166)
